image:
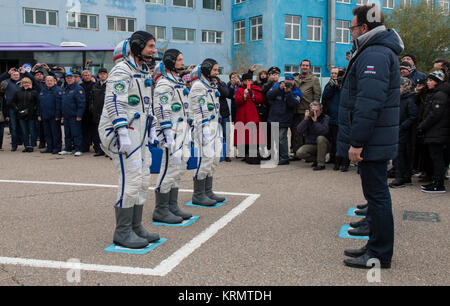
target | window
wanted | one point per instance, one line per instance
(183, 34)
(185, 3)
(291, 69)
(160, 2)
(362, 2)
(404, 3)
(317, 71)
(256, 28)
(314, 29)
(212, 5)
(238, 1)
(158, 32)
(40, 17)
(388, 4)
(342, 32)
(292, 27)
(239, 32)
(119, 24)
(212, 37)
(82, 21)
(343, 1)
(444, 4)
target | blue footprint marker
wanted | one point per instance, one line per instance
(185, 223)
(118, 249)
(351, 212)
(215, 206)
(343, 233)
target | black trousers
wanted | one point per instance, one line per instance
(296, 139)
(436, 152)
(381, 224)
(403, 170)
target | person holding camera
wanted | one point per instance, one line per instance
(315, 127)
(283, 99)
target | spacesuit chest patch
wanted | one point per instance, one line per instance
(211, 107)
(133, 100)
(146, 100)
(176, 107)
(164, 99)
(119, 87)
(201, 101)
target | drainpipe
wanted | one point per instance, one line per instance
(331, 41)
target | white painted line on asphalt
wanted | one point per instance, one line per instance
(165, 267)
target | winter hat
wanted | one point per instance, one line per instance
(411, 56)
(247, 76)
(437, 76)
(289, 77)
(274, 69)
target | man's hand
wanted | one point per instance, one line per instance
(314, 118)
(79, 118)
(254, 68)
(39, 118)
(282, 86)
(189, 69)
(354, 154)
(22, 70)
(10, 71)
(306, 114)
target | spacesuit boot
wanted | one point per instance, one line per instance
(173, 205)
(199, 197)
(208, 190)
(124, 235)
(162, 212)
(138, 228)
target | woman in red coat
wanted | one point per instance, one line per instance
(246, 134)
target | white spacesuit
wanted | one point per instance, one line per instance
(125, 127)
(170, 107)
(204, 106)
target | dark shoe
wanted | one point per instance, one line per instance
(30, 149)
(355, 253)
(362, 206)
(361, 212)
(124, 235)
(25, 150)
(358, 223)
(55, 152)
(199, 197)
(318, 168)
(100, 153)
(137, 225)
(437, 187)
(162, 212)
(391, 173)
(362, 262)
(173, 205)
(336, 167)
(427, 186)
(41, 145)
(425, 179)
(362, 230)
(209, 192)
(344, 169)
(227, 159)
(294, 158)
(283, 162)
(46, 151)
(314, 164)
(13, 149)
(397, 183)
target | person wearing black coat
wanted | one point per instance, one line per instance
(3, 115)
(96, 101)
(435, 128)
(408, 117)
(225, 115)
(25, 103)
(86, 131)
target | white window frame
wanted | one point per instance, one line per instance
(257, 27)
(405, 3)
(343, 1)
(155, 32)
(362, 2)
(155, 2)
(186, 4)
(291, 25)
(127, 24)
(220, 5)
(312, 27)
(77, 20)
(240, 31)
(47, 12)
(389, 4)
(317, 71)
(291, 69)
(218, 37)
(186, 34)
(239, 1)
(444, 5)
(344, 30)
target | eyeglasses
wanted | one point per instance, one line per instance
(354, 27)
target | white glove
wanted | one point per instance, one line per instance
(169, 140)
(124, 140)
(152, 138)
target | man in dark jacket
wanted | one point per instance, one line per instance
(315, 127)
(225, 115)
(96, 101)
(73, 106)
(86, 131)
(368, 126)
(283, 99)
(414, 75)
(49, 114)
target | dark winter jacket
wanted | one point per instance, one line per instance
(73, 101)
(435, 126)
(283, 105)
(96, 101)
(25, 102)
(416, 76)
(312, 129)
(408, 116)
(231, 95)
(10, 89)
(370, 97)
(224, 93)
(50, 103)
(330, 101)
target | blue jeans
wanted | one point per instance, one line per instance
(28, 132)
(283, 144)
(2, 128)
(13, 127)
(376, 191)
(225, 122)
(72, 129)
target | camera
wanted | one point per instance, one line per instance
(311, 113)
(288, 85)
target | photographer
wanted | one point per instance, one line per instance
(330, 101)
(315, 127)
(283, 99)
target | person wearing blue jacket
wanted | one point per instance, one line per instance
(49, 114)
(369, 126)
(73, 106)
(283, 98)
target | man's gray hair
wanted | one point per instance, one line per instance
(86, 71)
(315, 104)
